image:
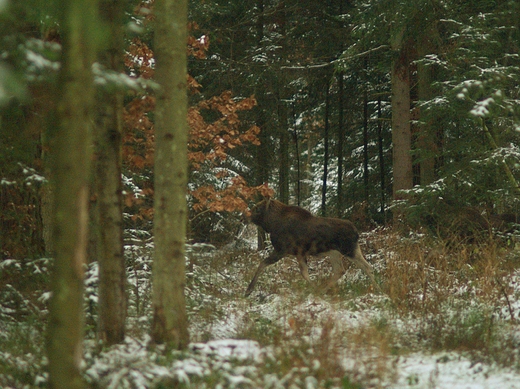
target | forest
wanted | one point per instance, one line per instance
(137, 135)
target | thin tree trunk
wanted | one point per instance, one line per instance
(170, 322)
(341, 136)
(262, 151)
(365, 143)
(298, 162)
(47, 199)
(284, 153)
(70, 171)
(326, 155)
(381, 158)
(283, 179)
(112, 277)
(262, 168)
(307, 170)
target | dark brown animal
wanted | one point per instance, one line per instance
(295, 231)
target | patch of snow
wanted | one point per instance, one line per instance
(231, 349)
(451, 371)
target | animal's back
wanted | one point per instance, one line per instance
(303, 232)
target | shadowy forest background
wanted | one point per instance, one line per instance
(301, 96)
(384, 112)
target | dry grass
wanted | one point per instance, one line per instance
(447, 294)
(452, 292)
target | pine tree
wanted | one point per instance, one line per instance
(170, 323)
(70, 170)
(108, 186)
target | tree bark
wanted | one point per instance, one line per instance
(70, 170)
(401, 131)
(170, 322)
(108, 186)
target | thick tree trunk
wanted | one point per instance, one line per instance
(70, 170)
(107, 172)
(170, 322)
(401, 131)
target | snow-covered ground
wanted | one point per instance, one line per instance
(228, 362)
(286, 338)
(289, 334)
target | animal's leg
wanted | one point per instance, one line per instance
(336, 259)
(304, 268)
(361, 262)
(273, 258)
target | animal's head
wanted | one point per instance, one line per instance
(259, 211)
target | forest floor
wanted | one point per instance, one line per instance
(448, 317)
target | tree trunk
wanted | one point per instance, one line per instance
(341, 136)
(284, 153)
(262, 151)
(47, 200)
(70, 171)
(47, 197)
(307, 169)
(401, 131)
(365, 143)
(426, 139)
(283, 178)
(262, 168)
(326, 155)
(382, 174)
(298, 160)
(170, 322)
(107, 172)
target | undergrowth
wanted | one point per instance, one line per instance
(436, 298)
